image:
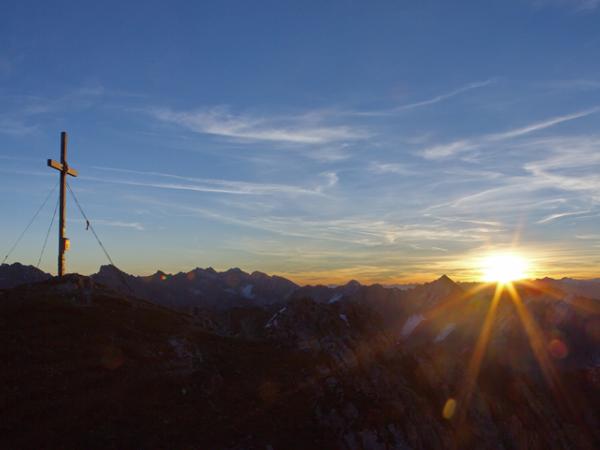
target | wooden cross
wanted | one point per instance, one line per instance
(64, 169)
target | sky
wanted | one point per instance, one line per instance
(383, 141)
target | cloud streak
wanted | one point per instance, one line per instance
(454, 148)
(309, 128)
(291, 130)
(427, 102)
(117, 223)
(446, 96)
(395, 168)
(218, 186)
(517, 132)
(553, 217)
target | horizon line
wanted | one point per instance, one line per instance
(391, 284)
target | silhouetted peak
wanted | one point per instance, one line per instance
(14, 274)
(258, 274)
(17, 266)
(442, 286)
(235, 272)
(106, 269)
(159, 275)
(201, 271)
(350, 287)
(200, 274)
(445, 279)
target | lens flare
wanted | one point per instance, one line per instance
(504, 268)
(449, 409)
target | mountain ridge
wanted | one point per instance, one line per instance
(259, 274)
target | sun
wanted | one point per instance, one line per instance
(504, 267)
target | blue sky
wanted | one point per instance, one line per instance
(382, 141)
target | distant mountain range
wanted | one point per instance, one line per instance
(207, 288)
(12, 275)
(232, 360)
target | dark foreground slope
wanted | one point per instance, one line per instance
(86, 367)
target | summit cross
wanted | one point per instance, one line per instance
(64, 169)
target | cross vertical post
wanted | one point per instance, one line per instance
(64, 169)
(62, 226)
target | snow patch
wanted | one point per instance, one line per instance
(445, 332)
(336, 297)
(345, 319)
(411, 323)
(247, 291)
(273, 320)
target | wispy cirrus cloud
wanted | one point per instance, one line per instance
(362, 231)
(537, 126)
(311, 127)
(556, 216)
(118, 223)
(395, 168)
(453, 148)
(427, 102)
(486, 223)
(546, 179)
(216, 186)
(565, 152)
(570, 164)
(321, 183)
(447, 95)
(292, 130)
(446, 150)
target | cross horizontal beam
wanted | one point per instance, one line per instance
(58, 166)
